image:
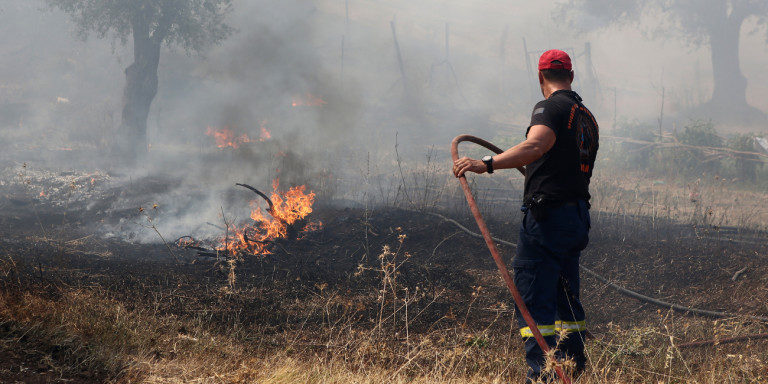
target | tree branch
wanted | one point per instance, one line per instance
(164, 25)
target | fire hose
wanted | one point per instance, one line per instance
(491, 243)
(495, 252)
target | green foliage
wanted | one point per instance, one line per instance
(189, 24)
(690, 19)
(702, 152)
(477, 341)
(694, 161)
(700, 133)
(633, 154)
(745, 165)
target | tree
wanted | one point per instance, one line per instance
(714, 23)
(190, 24)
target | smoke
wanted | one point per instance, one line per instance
(325, 81)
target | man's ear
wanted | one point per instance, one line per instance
(571, 77)
(541, 78)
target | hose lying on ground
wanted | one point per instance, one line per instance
(618, 288)
(759, 336)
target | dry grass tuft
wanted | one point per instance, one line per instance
(82, 330)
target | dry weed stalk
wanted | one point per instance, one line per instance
(144, 344)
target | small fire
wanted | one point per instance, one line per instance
(290, 207)
(42, 194)
(265, 134)
(226, 138)
(185, 242)
(308, 100)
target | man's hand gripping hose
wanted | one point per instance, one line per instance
(495, 252)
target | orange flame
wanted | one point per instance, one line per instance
(226, 138)
(185, 242)
(289, 207)
(265, 134)
(308, 100)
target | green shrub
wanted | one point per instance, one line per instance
(627, 154)
(695, 161)
(745, 166)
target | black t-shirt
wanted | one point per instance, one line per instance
(563, 173)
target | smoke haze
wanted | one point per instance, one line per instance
(328, 90)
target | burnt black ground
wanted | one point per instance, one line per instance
(664, 260)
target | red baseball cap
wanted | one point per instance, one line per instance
(555, 59)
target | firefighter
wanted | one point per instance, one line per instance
(559, 155)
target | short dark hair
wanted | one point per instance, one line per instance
(557, 75)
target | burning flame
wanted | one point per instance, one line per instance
(289, 208)
(226, 138)
(265, 134)
(308, 100)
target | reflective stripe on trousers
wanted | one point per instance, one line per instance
(559, 326)
(546, 272)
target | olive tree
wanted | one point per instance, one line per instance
(189, 24)
(716, 24)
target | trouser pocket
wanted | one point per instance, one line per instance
(524, 276)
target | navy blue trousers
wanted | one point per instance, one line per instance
(546, 272)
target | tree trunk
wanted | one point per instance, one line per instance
(140, 90)
(730, 84)
(729, 96)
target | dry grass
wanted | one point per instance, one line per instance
(83, 330)
(366, 336)
(702, 202)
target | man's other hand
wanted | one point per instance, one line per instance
(465, 164)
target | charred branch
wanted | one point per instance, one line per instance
(265, 197)
(189, 242)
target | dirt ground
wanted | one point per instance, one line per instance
(339, 279)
